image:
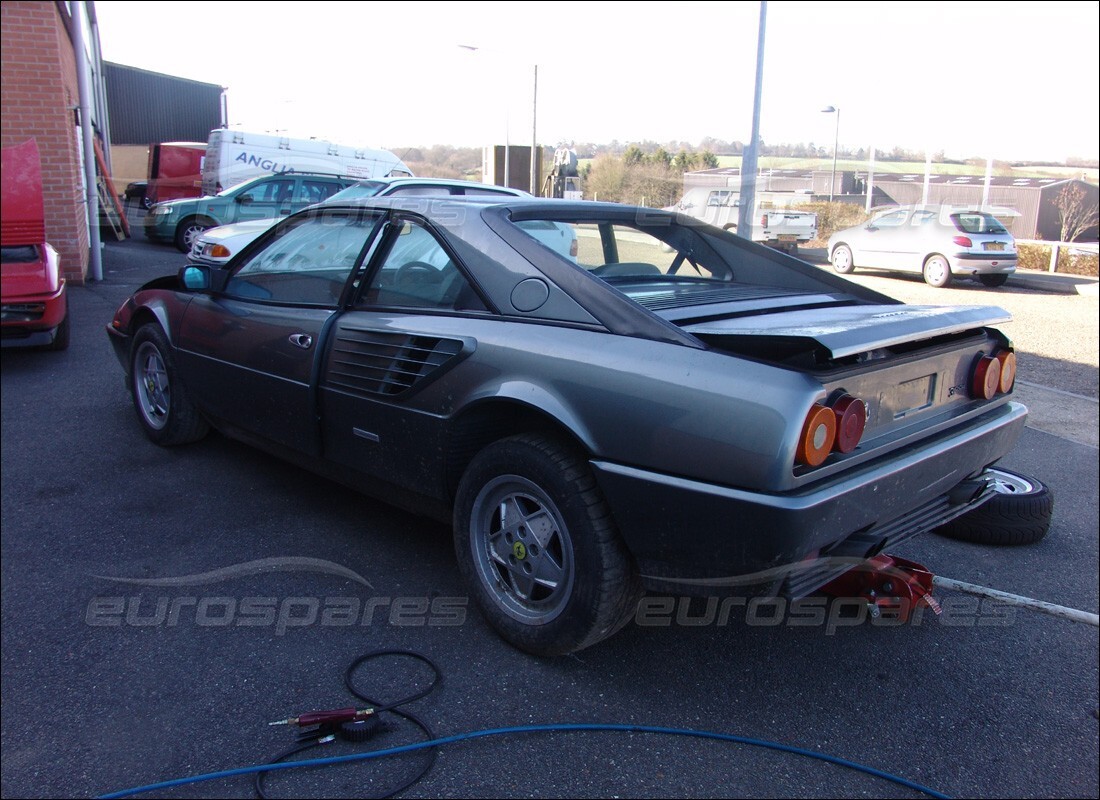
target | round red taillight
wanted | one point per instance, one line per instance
(1008, 369)
(985, 380)
(963, 241)
(818, 436)
(851, 419)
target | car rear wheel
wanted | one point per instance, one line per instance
(937, 272)
(1019, 513)
(993, 280)
(164, 410)
(536, 544)
(189, 230)
(842, 260)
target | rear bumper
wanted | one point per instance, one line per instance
(983, 263)
(679, 529)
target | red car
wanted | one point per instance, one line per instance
(34, 308)
(34, 305)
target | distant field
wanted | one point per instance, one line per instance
(910, 167)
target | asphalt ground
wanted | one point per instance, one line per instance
(108, 684)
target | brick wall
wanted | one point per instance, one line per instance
(38, 96)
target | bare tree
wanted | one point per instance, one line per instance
(1076, 213)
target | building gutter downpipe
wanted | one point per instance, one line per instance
(82, 69)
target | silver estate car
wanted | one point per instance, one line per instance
(939, 242)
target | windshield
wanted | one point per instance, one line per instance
(359, 190)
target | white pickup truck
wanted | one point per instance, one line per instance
(776, 223)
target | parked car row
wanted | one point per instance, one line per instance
(218, 245)
(577, 386)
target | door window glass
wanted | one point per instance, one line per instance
(417, 272)
(308, 262)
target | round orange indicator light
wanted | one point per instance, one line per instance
(1008, 369)
(851, 419)
(818, 436)
(986, 378)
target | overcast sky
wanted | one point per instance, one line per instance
(1015, 81)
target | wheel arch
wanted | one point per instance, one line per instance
(154, 313)
(197, 216)
(493, 419)
(841, 243)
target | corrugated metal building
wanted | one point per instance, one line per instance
(1034, 199)
(148, 107)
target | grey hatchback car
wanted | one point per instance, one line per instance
(938, 241)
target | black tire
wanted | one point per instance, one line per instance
(842, 260)
(188, 230)
(937, 271)
(64, 330)
(993, 281)
(558, 579)
(1018, 514)
(166, 413)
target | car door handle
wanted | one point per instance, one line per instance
(302, 340)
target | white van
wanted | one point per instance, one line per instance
(236, 156)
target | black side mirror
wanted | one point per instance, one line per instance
(245, 199)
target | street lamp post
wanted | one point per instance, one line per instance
(836, 140)
(507, 125)
(534, 134)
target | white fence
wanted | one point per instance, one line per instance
(1056, 247)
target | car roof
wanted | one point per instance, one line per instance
(393, 180)
(527, 206)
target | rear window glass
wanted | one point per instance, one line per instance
(621, 253)
(977, 223)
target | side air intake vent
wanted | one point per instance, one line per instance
(370, 362)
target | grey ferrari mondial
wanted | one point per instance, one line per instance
(598, 397)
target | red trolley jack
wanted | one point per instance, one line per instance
(888, 584)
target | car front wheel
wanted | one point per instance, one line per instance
(937, 272)
(536, 544)
(189, 230)
(164, 410)
(842, 260)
